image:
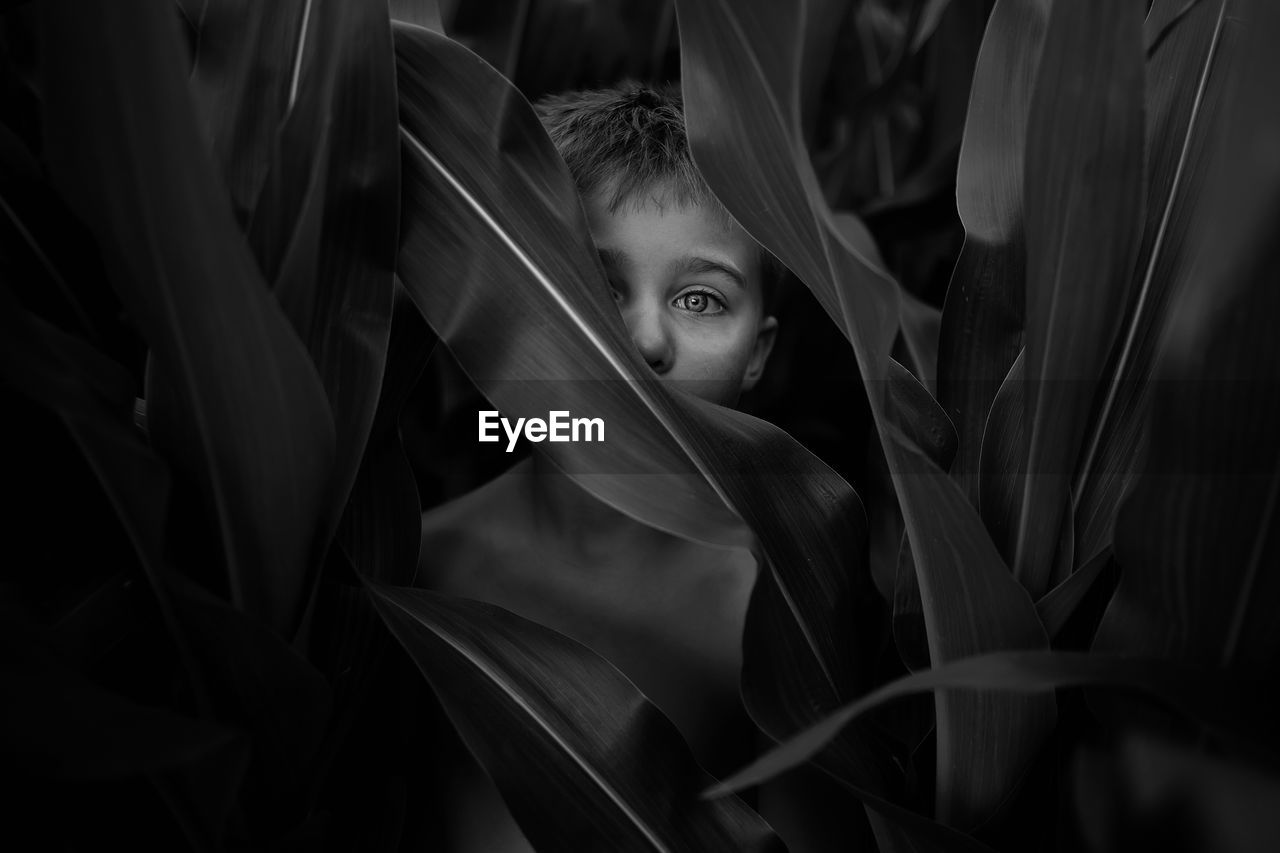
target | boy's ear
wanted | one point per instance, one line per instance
(766, 334)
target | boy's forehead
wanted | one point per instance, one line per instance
(674, 235)
(661, 197)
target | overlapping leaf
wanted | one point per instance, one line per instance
(240, 410)
(1186, 81)
(494, 236)
(244, 81)
(741, 70)
(422, 13)
(1196, 539)
(982, 319)
(582, 759)
(94, 398)
(381, 526)
(54, 718)
(1200, 693)
(1131, 795)
(495, 247)
(309, 150)
(1084, 200)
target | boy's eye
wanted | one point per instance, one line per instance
(699, 302)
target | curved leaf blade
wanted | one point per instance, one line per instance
(737, 60)
(496, 248)
(1084, 198)
(1203, 694)
(422, 13)
(243, 413)
(1221, 805)
(583, 760)
(1196, 537)
(55, 720)
(1186, 79)
(337, 257)
(243, 81)
(983, 316)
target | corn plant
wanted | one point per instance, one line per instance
(235, 234)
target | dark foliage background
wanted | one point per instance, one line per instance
(224, 262)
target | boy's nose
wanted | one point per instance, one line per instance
(650, 336)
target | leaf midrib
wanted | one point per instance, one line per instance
(527, 708)
(1131, 333)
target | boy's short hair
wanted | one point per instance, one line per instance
(630, 139)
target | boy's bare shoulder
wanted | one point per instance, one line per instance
(466, 539)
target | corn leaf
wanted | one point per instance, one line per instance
(267, 689)
(422, 13)
(930, 17)
(94, 398)
(1059, 604)
(1196, 538)
(244, 82)
(1136, 792)
(381, 527)
(582, 759)
(242, 412)
(478, 266)
(1002, 471)
(1186, 78)
(495, 247)
(336, 278)
(1002, 464)
(317, 138)
(1084, 201)
(741, 66)
(983, 316)
(1203, 694)
(54, 720)
(921, 326)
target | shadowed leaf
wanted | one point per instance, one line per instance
(1060, 603)
(337, 165)
(495, 246)
(267, 689)
(1186, 79)
(94, 398)
(1196, 538)
(1084, 201)
(741, 66)
(1002, 465)
(422, 13)
(55, 720)
(309, 148)
(1154, 793)
(982, 318)
(582, 759)
(244, 81)
(1202, 694)
(381, 526)
(239, 409)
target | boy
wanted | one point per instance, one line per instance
(692, 288)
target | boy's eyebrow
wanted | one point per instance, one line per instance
(616, 259)
(697, 266)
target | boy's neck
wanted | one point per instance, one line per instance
(565, 513)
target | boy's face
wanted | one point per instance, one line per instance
(690, 292)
